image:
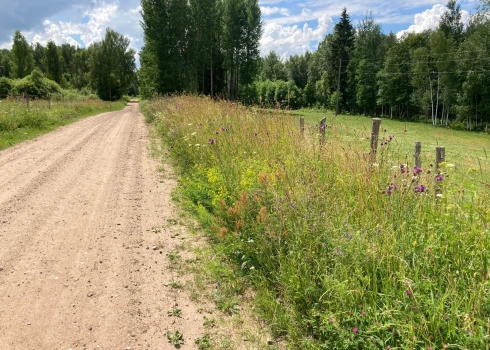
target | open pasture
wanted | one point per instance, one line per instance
(468, 151)
(344, 252)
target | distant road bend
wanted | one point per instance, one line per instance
(79, 262)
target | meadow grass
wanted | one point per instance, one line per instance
(20, 122)
(344, 252)
(467, 150)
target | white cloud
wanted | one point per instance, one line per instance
(90, 27)
(93, 30)
(288, 40)
(429, 19)
(268, 11)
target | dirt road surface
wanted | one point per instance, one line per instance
(83, 241)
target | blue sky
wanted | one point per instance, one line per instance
(290, 26)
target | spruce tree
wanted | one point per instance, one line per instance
(342, 49)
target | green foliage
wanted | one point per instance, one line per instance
(204, 342)
(53, 62)
(175, 338)
(5, 86)
(345, 253)
(272, 68)
(278, 93)
(35, 84)
(5, 70)
(21, 59)
(205, 46)
(112, 66)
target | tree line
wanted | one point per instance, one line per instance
(440, 75)
(203, 46)
(212, 47)
(106, 68)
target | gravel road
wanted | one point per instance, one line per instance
(83, 241)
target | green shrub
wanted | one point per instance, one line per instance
(36, 84)
(5, 86)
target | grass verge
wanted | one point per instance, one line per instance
(344, 252)
(201, 270)
(19, 122)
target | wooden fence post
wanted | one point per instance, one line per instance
(440, 156)
(418, 149)
(302, 125)
(323, 126)
(375, 137)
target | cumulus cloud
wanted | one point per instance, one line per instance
(429, 19)
(289, 40)
(88, 24)
(269, 11)
(26, 15)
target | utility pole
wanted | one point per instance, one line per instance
(338, 88)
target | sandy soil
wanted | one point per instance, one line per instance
(83, 241)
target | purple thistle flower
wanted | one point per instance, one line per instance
(355, 330)
(417, 170)
(338, 251)
(439, 178)
(389, 191)
(391, 137)
(409, 292)
(420, 189)
(211, 141)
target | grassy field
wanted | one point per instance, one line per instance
(467, 150)
(19, 121)
(344, 252)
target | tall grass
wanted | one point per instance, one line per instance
(344, 252)
(20, 121)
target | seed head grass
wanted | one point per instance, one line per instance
(345, 252)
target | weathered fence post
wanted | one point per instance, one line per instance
(375, 137)
(418, 149)
(440, 156)
(302, 125)
(323, 126)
